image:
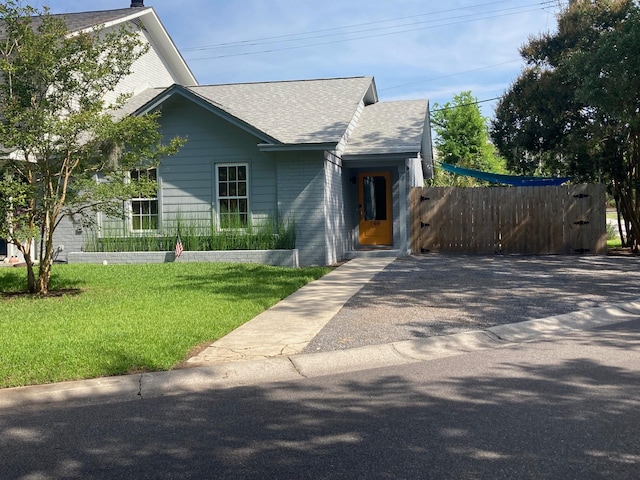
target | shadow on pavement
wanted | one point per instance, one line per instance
(423, 296)
(511, 413)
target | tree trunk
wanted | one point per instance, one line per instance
(626, 194)
(31, 276)
(44, 277)
(46, 258)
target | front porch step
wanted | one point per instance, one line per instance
(371, 252)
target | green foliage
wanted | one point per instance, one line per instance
(60, 129)
(128, 318)
(196, 234)
(462, 138)
(574, 109)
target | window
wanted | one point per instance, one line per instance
(144, 210)
(233, 199)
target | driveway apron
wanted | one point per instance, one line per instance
(423, 296)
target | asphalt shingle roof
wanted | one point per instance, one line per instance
(315, 111)
(79, 21)
(389, 127)
(293, 112)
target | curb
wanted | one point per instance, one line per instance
(301, 366)
(567, 323)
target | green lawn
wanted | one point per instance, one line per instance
(120, 319)
(614, 243)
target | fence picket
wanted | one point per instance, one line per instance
(509, 220)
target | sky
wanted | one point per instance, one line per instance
(414, 48)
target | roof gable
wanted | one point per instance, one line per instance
(153, 98)
(390, 127)
(294, 112)
(310, 112)
(147, 19)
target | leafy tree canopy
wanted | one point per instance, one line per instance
(462, 138)
(575, 108)
(60, 134)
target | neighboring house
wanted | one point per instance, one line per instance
(161, 66)
(324, 153)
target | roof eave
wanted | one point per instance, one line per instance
(386, 155)
(164, 41)
(172, 54)
(284, 147)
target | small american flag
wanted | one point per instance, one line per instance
(178, 250)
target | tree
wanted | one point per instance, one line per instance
(574, 110)
(462, 138)
(70, 151)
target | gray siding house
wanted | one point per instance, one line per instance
(325, 153)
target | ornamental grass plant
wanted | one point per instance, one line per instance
(196, 234)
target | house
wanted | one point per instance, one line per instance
(161, 66)
(325, 153)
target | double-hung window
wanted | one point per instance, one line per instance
(144, 209)
(233, 195)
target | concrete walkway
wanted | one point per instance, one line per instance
(289, 326)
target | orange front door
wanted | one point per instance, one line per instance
(374, 196)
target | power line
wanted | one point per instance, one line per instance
(263, 40)
(449, 75)
(362, 37)
(467, 104)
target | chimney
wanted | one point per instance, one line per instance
(135, 4)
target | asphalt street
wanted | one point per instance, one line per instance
(560, 407)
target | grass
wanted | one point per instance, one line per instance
(614, 243)
(118, 319)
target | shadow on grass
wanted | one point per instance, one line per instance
(257, 282)
(13, 283)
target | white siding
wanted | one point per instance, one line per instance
(149, 71)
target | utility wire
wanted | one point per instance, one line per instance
(447, 76)
(467, 104)
(275, 39)
(358, 38)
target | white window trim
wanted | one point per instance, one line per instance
(129, 204)
(217, 190)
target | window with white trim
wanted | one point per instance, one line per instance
(144, 210)
(232, 184)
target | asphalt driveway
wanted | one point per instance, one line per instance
(424, 296)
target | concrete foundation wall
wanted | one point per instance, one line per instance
(282, 258)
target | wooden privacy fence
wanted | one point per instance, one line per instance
(509, 220)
